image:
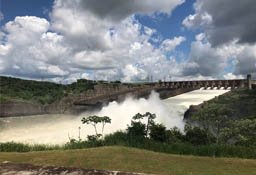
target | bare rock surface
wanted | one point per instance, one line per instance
(8, 168)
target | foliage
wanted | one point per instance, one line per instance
(198, 136)
(39, 91)
(119, 139)
(230, 118)
(240, 132)
(94, 120)
(21, 147)
(158, 133)
(174, 135)
(138, 128)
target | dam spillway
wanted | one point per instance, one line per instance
(57, 129)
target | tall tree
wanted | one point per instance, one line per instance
(94, 120)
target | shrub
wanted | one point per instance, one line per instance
(137, 129)
(158, 133)
(174, 135)
(197, 136)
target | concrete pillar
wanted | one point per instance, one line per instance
(226, 84)
(219, 85)
(241, 84)
(212, 84)
(206, 85)
(233, 84)
(249, 81)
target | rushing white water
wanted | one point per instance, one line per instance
(57, 129)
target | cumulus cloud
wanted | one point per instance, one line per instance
(171, 44)
(246, 61)
(204, 60)
(231, 76)
(228, 36)
(30, 50)
(225, 21)
(78, 43)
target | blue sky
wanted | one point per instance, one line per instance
(65, 40)
(13, 8)
(171, 26)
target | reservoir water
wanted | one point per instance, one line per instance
(58, 129)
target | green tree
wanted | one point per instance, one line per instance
(94, 120)
(212, 119)
(240, 132)
(138, 128)
(196, 135)
(174, 135)
(149, 118)
(158, 132)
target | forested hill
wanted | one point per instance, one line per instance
(231, 117)
(15, 89)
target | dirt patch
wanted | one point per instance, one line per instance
(8, 168)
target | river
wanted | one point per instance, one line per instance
(58, 129)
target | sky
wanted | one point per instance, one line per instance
(127, 40)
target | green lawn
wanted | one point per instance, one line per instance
(135, 160)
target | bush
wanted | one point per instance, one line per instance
(197, 136)
(137, 129)
(118, 137)
(174, 135)
(158, 133)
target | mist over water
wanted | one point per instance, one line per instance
(57, 129)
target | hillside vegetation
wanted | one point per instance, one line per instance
(231, 117)
(14, 89)
(135, 160)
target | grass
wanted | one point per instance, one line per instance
(135, 160)
(170, 148)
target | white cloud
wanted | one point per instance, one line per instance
(171, 44)
(231, 76)
(132, 73)
(197, 20)
(200, 37)
(76, 41)
(30, 50)
(25, 29)
(206, 60)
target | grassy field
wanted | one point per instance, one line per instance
(135, 160)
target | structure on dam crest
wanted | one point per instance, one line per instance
(105, 93)
(236, 83)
